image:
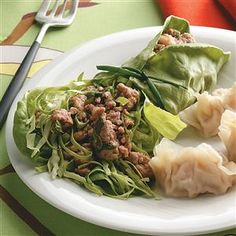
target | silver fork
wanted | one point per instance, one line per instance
(47, 17)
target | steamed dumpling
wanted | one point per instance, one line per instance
(205, 114)
(190, 171)
(228, 96)
(227, 133)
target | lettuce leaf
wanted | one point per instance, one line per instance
(167, 124)
(177, 71)
(192, 65)
(140, 60)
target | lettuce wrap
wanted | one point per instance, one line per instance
(48, 124)
(178, 71)
(56, 149)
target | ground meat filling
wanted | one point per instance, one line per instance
(78, 101)
(108, 121)
(63, 116)
(172, 36)
(140, 160)
(131, 94)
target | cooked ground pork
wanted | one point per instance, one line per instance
(82, 171)
(78, 101)
(114, 117)
(109, 154)
(140, 160)
(121, 130)
(107, 96)
(131, 94)
(124, 151)
(82, 116)
(96, 112)
(110, 104)
(80, 135)
(172, 36)
(108, 134)
(73, 110)
(128, 122)
(62, 116)
(111, 129)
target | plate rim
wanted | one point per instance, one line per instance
(50, 67)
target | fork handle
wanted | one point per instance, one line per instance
(17, 82)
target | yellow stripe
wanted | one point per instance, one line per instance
(10, 68)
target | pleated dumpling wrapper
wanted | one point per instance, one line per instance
(227, 133)
(228, 96)
(191, 171)
(205, 114)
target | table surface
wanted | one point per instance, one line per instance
(21, 211)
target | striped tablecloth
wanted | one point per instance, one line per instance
(21, 211)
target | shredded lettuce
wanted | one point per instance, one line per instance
(120, 179)
(53, 164)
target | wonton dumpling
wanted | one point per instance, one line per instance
(227, 133)
(190, 171)
(205, 114)
(228, 97)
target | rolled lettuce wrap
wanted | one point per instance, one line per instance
(177, 66)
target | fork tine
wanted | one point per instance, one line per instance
(54, 17)
(54, 10)
(63, 9)
(44, 6)
(73, 8)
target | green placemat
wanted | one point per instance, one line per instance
(21, 211)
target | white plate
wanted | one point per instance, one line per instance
(146, 216)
